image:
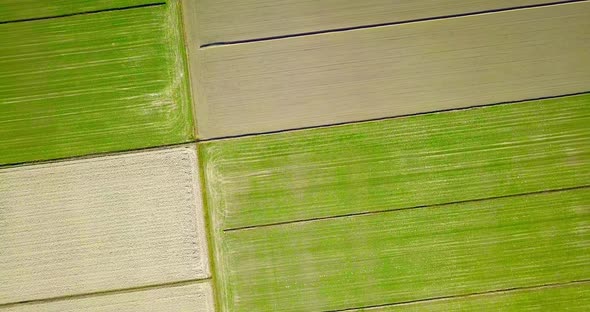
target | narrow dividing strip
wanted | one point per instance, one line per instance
(108, 292)
(319, 32)
(407, 208)
(210, 235)
(496, 291)
(83, 13)
(391, 117)
(95, 155)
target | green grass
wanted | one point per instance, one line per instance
(93, 83)
(408, 255)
